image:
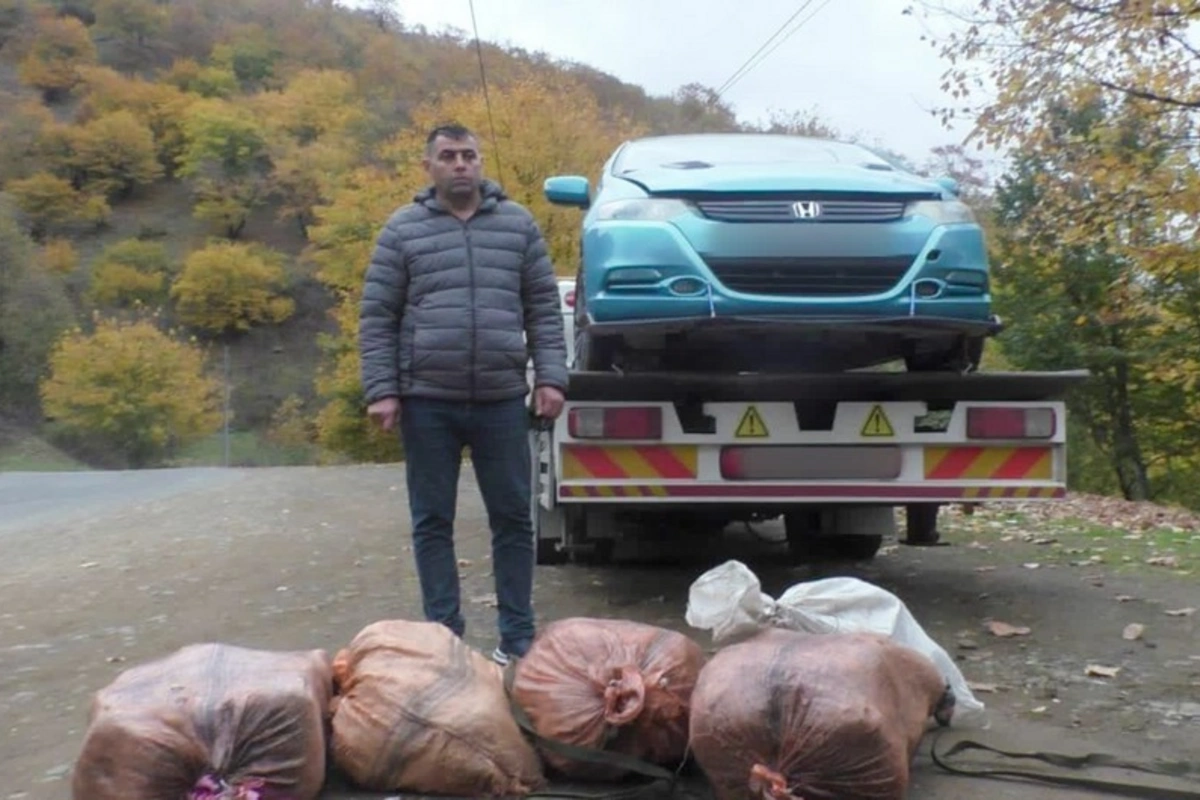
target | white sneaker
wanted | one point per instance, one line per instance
(500, 657)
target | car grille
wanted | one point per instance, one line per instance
(810, 276)
(781, 210)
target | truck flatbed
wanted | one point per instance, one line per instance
(866, 386)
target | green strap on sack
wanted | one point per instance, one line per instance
(658, 775)
(1163, 767)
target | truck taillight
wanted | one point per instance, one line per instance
(619, 422)
(1010, 423)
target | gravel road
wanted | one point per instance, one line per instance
(103, 570)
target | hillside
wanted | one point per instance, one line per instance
(147, 142)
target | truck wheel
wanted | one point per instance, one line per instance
(922, 530)
(806, 543)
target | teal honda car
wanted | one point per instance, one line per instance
(759, 252)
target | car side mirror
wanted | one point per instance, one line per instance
(568, 190)
(949, 184)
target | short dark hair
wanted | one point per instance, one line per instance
(451, 130)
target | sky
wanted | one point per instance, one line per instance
(859, 64)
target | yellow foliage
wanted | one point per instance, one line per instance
(48, 200)
(58, 257)
(316, 103)
(60, 48)
(117, 284)
(132, 388)
(194, 78)
(22, 127)
(130, 272)
(544, 127)
(231, 286)
(115, 153)
(226, 152)
(159, 106)
(133, 19)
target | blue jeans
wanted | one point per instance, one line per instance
(434, 433)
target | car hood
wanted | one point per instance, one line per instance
(791, 178)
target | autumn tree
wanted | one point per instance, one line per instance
(160, 107)
(59, 257)
(60, 48)
(48, 201)
(33, 311)
(132, 20)
(1133, 60)
(115, 153)
(226, 154)
(131, 388)
(129, 273)
(312, 126)
(22, 128)
(229, 287)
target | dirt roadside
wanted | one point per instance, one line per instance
(305, 557)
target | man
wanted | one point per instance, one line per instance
(459, 290)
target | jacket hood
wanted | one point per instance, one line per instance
(491, 191)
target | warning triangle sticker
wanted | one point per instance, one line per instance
(877, 424)
(751, 426)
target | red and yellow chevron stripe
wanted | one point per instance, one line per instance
(992, 492)
(581, 462)
(989, 463)
(743, 491)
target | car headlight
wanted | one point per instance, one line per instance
(653, 209)
(942, 212)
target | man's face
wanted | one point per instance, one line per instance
(455, 167)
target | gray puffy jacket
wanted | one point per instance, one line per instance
(452, 309)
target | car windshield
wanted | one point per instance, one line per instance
(701, 152)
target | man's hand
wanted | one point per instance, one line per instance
(547, 402)
(385, 412)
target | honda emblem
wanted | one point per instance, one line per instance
(806, 209)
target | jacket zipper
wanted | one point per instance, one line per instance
(471, 272)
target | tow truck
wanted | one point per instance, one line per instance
(833, 455)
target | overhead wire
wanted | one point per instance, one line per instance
(487, 100)
(729, 81)
(748, 67)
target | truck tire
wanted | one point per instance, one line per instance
(921, 528)
(806, 544)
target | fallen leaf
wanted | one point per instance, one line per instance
(464, 562)
(1098, 671)
(1180, 612)
(985, 569)
(982, 688)
(488, 600)
(1038, 710)
(1124, 598)
(1004, 630)
(1045, 540)
(1133, 631)
(1031, 565)
(1163, 561)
